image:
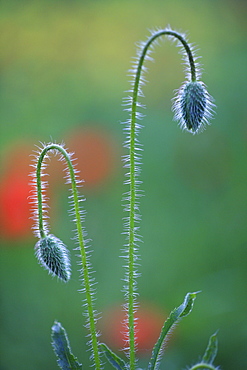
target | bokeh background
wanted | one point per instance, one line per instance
(63, 67)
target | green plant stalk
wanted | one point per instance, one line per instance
(88, 292)
(132, 177)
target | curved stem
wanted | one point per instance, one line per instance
(132, 176)
(88, 290)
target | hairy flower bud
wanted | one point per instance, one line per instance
(193, 106)
(53, 255)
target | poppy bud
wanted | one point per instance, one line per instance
(53, 255)
(193, 106)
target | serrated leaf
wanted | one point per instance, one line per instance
(117, 362)
(211, 350)
(60, 343)
(183, 310)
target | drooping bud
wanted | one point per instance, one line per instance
(53, 255)
(193, 106)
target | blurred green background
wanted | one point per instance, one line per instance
(62, 77)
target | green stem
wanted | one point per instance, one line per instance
(39, 194)
(88, 290)
(132, 177)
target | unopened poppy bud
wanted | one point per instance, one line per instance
(192, 106)
(53, 255)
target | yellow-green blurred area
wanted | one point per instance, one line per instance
(63, 73)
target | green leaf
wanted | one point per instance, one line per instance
(60, 343)
(209, 356)
(183, 310)
(211, 350)
(114, 360)
(203, 366)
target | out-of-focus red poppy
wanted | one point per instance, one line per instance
(95, 154)
(14, 192)
(148, 327)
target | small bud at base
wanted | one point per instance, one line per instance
(53, 255)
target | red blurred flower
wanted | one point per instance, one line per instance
(95, 154)
(14, 192)
(148, 327)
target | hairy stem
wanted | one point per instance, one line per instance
(87, 285)
(133, 175)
